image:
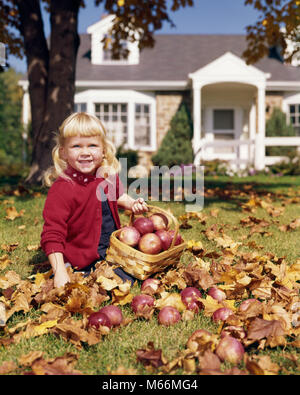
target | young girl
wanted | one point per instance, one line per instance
(81, 209)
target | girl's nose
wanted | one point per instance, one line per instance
(85, 151)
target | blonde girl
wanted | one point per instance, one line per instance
(80, 213)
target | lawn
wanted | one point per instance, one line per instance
(245, 240)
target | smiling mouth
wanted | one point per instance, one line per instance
(85, 161)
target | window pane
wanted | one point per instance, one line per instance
(142, 125)
(80, 107)
(223, 119)
(114, 123)
(292, 109)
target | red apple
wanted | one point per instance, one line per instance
(99, 319)
(160, 221)
(165, 238)
(114, 313)
(150, 244)
(190, 297)
(143, 225)
(129, 235)
(178, 240)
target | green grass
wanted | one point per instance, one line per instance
(119, 347)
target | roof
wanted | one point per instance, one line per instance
(174, 57)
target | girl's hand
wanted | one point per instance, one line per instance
(139, 206)
(60, 279)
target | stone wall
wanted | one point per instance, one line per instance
(167, 104)
(273, 99)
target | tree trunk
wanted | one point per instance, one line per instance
(56, 102)
(37, 56)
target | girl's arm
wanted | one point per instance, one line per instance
(61, 276)
(137, 206)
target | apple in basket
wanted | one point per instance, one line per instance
(150, 243)
(178, 240)
(160, 221)
(129, 235)
(165, 238)
(143, 225)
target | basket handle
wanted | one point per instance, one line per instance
(169, 215)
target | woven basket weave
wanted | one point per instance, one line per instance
(137, 263)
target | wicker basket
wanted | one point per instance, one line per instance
(137, 263)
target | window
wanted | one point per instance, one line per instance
(80, 107)
(294, 115)
(114, 117)
(107, 50)
(142, 125)
(223, 119)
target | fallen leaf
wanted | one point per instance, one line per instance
(12, 214)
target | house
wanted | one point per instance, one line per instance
(229, 100)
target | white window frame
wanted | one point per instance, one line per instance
(129, 97)
(288, 100)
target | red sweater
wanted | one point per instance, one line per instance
(73, 217)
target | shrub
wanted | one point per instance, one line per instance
(277, 126)
(176, 147)
(129, 154)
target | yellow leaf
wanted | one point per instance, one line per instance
(43, 328)
(121, 3)
(121, 298)
(193, 243)
(210, 305)
(107, 283)
(4, 261)
(12, 213)
(170, 299)
(39, 278)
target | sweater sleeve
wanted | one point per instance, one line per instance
(57, 211)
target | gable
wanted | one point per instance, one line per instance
(98, 31)
(229, 67)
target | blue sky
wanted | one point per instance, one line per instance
(206, 17)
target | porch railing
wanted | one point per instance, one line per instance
(256, 155)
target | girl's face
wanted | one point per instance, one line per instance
(84, 154)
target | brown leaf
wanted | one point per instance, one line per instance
(150, 357)
(259, 329)
(7, 367)
(197, 277)
(56, 366)
(9, 247)
(28, 359)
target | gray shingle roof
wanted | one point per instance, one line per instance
(174, 57)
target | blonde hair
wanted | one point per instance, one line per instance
(86, 125)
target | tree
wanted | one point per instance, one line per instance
(277, 26)
(10, 119)
(176, 147)
(277, 126)
(51, 70)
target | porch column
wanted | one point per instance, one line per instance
(26, 108)
(197, 118)
(261, 129)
